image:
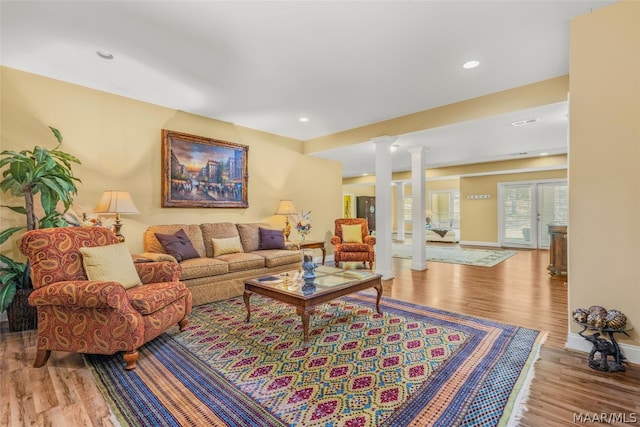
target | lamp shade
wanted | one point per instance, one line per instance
(286, 207)
(118, 202)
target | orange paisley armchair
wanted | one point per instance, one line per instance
(360, 248)
(97, 317)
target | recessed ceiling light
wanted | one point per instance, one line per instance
(470, 64)
(393, 148)
(544, 154)
(365, 174)
(303, 119)
(104, 55)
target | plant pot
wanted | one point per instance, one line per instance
(21, 315)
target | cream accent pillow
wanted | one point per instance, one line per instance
(111, 263)
(229, 245)
(352, 233)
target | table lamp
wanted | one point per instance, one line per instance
(286, 208)
(116, 202)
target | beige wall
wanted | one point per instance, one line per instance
(479, 217)
(604, 266)
(118, 141)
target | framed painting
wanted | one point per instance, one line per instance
(199, 172)
(348, 206)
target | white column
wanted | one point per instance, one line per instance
(418, 234)
(400, 211)
(383, 205)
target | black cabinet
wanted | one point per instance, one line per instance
(366, 208)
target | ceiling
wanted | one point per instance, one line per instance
(342, 64)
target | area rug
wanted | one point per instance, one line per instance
(411, 365)
(456, 255)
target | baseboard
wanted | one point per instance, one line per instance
(474, 243)
(576, 342)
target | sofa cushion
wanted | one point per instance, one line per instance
(177, 245)
(356, 247)
(219, 230)
(271, 239)
(147, 299)
(152, 244)
(242, 261)
(250, 235)
(112, 263)
(277, 257)
(227, 245)
(202, 267)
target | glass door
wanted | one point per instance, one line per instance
(528, 208)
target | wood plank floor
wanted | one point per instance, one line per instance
(517, 291)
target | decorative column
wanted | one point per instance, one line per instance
(400, 211)
(383, 205)
(418, 214)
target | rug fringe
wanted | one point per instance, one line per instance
(522, 397)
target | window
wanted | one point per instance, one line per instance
(445, 209)
(407, 204)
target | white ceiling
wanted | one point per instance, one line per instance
(343, 64)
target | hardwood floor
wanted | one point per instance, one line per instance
(518, 291)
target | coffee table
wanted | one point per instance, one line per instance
(330, 283)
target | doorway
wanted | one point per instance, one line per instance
(526, 209)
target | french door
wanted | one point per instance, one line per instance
(527, 208)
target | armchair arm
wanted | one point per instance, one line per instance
(85, 293)
(335, 240)
(155, 272)
(370, 240)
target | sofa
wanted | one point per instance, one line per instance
(442, 235)
(226, 255)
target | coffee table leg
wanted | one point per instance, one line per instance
(304, 314)
(379, 290)
(246, 297)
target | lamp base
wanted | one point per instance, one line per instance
(287, 229)
(117, 225)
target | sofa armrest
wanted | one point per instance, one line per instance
(155, 272)
(292, 246)
(85, 293)
(155, 256)
(335, 240)
(370, 240)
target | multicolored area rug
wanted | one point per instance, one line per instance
(456, 255)
(411, 365)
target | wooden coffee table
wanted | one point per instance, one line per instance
(329, 284)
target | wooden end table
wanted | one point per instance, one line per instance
(330, 283)
(304, 244)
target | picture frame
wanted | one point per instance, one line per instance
(201, 172)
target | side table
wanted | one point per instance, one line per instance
(305, 244)
(605, 348)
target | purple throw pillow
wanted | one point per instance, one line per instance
(271, 239)
(178, 245)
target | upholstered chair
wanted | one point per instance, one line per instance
(352, 241)
(99, 316)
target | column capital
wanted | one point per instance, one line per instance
(384, 139)
(418, 150)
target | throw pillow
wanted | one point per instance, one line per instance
(178, 245)
(228, 245)
(111, 263)
(271, 239)
(352, 233)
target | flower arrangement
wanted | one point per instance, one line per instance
(303, 224)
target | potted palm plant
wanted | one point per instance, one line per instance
(27, 174)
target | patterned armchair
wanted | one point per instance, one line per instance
(98, 317)
(353, 250)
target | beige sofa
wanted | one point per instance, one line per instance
(216, 278)
(449, 236)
